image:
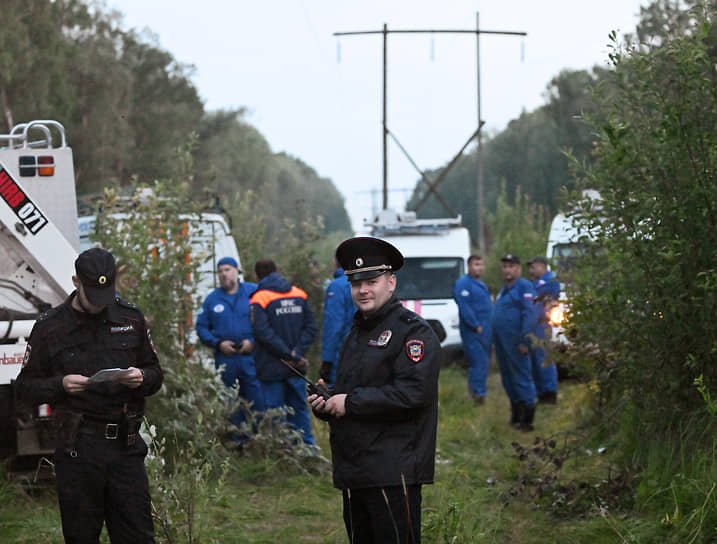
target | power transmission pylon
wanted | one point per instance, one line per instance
(477, 134)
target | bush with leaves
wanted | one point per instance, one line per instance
(520, 228)
(151, 240)
(150, 234)
(651, 296)
(647, 297)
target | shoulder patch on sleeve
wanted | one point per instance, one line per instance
(415, 349)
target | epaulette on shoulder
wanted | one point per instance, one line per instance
(49, 313)
(126, 304)
(407, 316)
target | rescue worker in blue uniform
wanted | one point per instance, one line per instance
(474, 311)
(547, 288)
(339, 311)
(284, 328)
(99, 459)
(224, 325)
(383, 411)
(514, 320)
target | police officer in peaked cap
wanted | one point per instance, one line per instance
(99, 459)
(382, 411)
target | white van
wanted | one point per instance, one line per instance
(435, 252)
(566, 245)
(211, 236)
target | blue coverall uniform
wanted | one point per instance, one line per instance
(284, 328)
(225, 316)
(514, 320)
(474, 310)
(339, 311)
(544, 377)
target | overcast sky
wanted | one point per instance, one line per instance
(318, 97)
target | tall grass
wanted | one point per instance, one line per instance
(477, 496)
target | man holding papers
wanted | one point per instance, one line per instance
(92, 359)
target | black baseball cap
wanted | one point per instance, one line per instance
(96, 270)
(538, 259)
(510, 258)
(364, 257)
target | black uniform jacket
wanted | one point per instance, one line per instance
(388, 367)
(65, 341)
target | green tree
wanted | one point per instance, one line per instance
(35, 56)
(99, 127)
(657, 155)
(645, 307)
(165, 108)
(127, 105)
(520, 228)
(527, 158)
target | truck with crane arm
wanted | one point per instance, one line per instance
(39, 242)
(40, 238)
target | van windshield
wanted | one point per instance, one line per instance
(428, 277)
(566, 257)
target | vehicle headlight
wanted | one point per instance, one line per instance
(557, 315)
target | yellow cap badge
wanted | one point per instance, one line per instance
(102, 280)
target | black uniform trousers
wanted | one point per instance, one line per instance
(104, 480)
(383, 515)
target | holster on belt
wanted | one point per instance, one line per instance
(67, 424)
(129, 428)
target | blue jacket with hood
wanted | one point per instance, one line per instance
(283, 324)
(226, 317)
(339, 311)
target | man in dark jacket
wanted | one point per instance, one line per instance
(383, 411)
(92, 359)
(284, 328)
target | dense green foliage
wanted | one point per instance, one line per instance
(658, 221)
(128, 105)
(188, 419)
(520, 229)
(649, 297)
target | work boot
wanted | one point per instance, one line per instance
(527, 416)
(514, 413)
(549, 397)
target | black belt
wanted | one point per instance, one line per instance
(104, 429)
(107, 429)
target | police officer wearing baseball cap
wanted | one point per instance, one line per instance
(382, 411)
(71, 362)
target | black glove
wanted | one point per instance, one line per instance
(325, 371)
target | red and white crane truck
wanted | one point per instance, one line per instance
(39, 242)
